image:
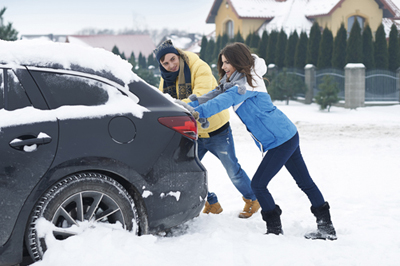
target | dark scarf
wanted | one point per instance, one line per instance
(184, 79)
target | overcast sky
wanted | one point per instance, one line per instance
(71, 16)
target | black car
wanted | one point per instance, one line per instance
(80, 145)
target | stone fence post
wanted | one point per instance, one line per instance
(398, 80)
(271, 69)
(354, 87)
(310, 80)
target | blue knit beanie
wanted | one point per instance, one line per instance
(165, 48)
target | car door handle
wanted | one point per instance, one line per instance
(16, 143)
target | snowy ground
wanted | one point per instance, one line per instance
(352, 155)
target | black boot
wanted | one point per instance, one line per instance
(325, 227)
(273, 220)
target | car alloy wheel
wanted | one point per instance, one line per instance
(77, 203)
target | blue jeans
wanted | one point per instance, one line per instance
(222, 146)
(288, 154)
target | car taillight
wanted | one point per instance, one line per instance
(186, 125)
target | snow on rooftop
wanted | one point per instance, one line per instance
(180, 42)
(195, 48)
(136, 43)
(273, 8)
(44, 53)
(318, 7)
(189, 42)
(387, 25)
(395, 6)
(289, 18)
(43, 38)
(257, 8)
(289, 15)
(74, 40)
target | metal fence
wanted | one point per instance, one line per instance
(381, 85)
(336, 74)
(300, 73)
(296, 71)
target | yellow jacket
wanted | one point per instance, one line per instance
(203, 81)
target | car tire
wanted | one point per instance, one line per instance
(89, 197)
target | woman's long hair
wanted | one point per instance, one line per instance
(239, 56)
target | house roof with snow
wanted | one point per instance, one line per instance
(268, 9)
(291, 15)
(125, 43)
(326, 7)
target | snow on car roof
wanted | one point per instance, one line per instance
(44, 53)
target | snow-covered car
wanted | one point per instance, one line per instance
(84, 140)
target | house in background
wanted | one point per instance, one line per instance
(248, 16)
(187, 42)
(48, 37)
(125, 43)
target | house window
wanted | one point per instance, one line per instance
(350, 23)
(229, 29)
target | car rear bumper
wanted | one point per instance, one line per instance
(181, 201)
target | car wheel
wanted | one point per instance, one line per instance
(80, 200)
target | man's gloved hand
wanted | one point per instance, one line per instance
(195, 114)
(203, 122)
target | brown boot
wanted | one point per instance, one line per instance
(251, 206)
(212, 208)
